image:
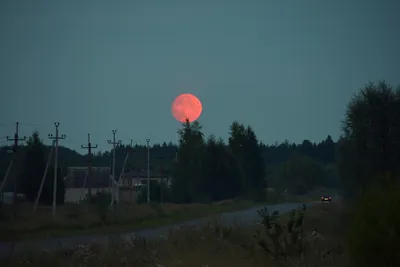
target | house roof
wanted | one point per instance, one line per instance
(141, 173)
(76, 176)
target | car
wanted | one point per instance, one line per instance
(326, 199)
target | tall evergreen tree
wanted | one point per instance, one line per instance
(245, 147)
(186, 185)
(223, 177)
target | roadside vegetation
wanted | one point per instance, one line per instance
(290, 240)
(92, 218)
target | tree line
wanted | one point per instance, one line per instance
(202, 168)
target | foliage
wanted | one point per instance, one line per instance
(186, 186)
(159, 192)
(209, 244)
(162, 157)
(283, 240)
(375, 226)
(245, 148)
(300, 174)
(223, 175)
(102, 201)
(47, 192)
(371, 136)
(33, 171)
(212, 171)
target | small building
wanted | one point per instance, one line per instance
(128, 186)
(76, 190)
(132, 180)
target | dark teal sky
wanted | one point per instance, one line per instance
(287, 68)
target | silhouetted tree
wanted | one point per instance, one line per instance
(34, 166)
(300, 174)
(245, 147)
(223, 177)
(186, 183)
(371, 136)
(33, 171)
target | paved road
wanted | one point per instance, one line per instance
(248, 217)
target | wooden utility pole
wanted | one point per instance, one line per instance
(89, 177)
(114, 143)
(56, 138)
(15, 147)
(148, 171)
(43, 178)
(162, 179)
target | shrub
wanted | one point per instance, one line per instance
(374, 234)
(102, 201)
(283, 240)
(158, 193)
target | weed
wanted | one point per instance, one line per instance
(210, 244)
(283, 240)
(159, 209)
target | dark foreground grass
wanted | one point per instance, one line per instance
(210, 245)
(87, 219)
(80, 219)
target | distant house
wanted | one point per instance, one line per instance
(75, 190)
(7, 193)
(131, 180)
(128, 185)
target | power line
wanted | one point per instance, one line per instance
(56, 138)
(31, 124)
(3, 124)
(89, 148)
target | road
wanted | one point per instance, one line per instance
(244, 217)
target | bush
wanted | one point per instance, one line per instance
(374, 235)
(102, 201)
(283, 239)
(158, 193)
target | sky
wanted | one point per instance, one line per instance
(287, 68)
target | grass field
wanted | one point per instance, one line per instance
(211, 245)
(87, 219)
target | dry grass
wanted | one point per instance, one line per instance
(209, 245)
(84, 218)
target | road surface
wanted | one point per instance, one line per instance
(245, 217)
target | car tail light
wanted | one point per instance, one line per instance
(322, 198)
(329, 198)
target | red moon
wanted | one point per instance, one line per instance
(186, 106)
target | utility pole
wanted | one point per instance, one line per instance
(162, 183)
(114, 143)
(89, 148)
(56, 138)
(148, 171)
(43, 178)
(15, 147)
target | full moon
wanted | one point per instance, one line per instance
(186, 106)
